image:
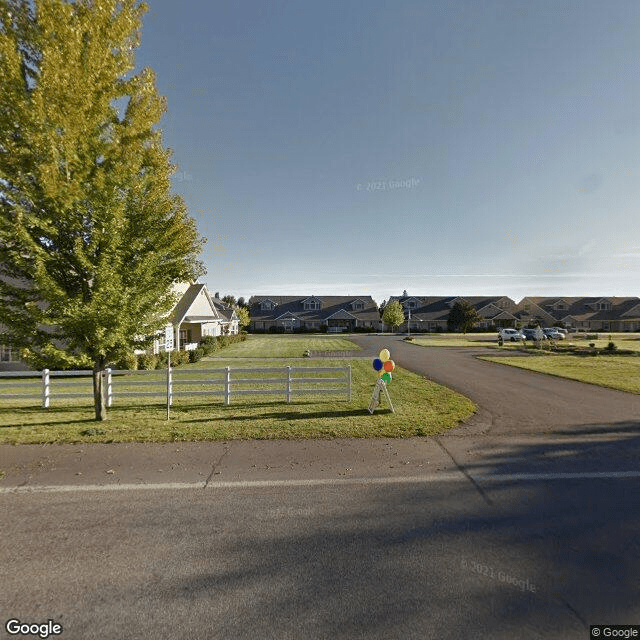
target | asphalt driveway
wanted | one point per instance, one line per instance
(510, 400)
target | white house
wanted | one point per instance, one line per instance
(194, 317)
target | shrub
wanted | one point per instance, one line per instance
(611, 346)
(196, 355)
(209, 344)
(147, 361)
(161, 362)
(128, 362)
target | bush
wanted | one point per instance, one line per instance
(196, 355)
(209, 344)
(179, 357)
(611, 346)
(147, 361)
(161, 362)
(128, 362)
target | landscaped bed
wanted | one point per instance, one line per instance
(422, 408)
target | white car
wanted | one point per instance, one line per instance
(553, 334)
(510, 335)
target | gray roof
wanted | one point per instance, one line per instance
(330, 305)
(226, 312)
(437, 308)
(583, 308)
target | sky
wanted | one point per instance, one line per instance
(443, 147)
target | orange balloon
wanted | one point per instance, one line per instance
(389, 365)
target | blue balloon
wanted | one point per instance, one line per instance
(377, 364)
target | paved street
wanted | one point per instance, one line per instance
(495, 530)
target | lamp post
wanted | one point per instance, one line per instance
(409, 325)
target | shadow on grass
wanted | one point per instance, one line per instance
(292, 415)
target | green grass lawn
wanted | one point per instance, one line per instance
(422, 408)
(616, 372)
(285, 346)
(627, 341)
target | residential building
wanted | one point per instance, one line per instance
(430, 313)
(313, 313)
(593, 313)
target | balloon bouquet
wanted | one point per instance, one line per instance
(384, 366)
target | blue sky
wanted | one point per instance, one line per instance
(442, 147)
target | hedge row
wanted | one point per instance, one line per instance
(148, 361)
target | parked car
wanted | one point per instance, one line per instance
(530, 334)
(553, 334)
(510, 335)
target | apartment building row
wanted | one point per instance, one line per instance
(430, 313)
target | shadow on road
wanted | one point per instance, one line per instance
(435, 560)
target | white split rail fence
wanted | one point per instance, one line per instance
(169, 383)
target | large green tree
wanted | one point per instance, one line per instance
(91, 237)
(393, 314)
(462, 317)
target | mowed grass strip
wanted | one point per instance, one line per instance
(422, 408)
(285, 346)
(615, 372)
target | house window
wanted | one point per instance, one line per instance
(358, 306)
(7, 354)
(267, 305)
(603, 306)
(311, 305)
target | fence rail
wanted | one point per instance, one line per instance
(171, 383)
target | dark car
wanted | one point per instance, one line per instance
(530, 334)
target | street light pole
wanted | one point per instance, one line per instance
(409, 325)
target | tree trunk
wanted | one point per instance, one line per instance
(98, 395)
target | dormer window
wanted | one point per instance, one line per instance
(311, 305)
(358, 305)
(267, 305)
(603, 306)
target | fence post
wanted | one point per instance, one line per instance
(227, 385)
(289, 384)
(107, 386)
(349, 383)
(46, 388)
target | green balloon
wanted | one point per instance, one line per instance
(386, 377)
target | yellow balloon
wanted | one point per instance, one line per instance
(384, 355)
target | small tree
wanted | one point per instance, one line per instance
(91, 239)
(243, 316)
(393, 314)
(462, 317)
(229, 300)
